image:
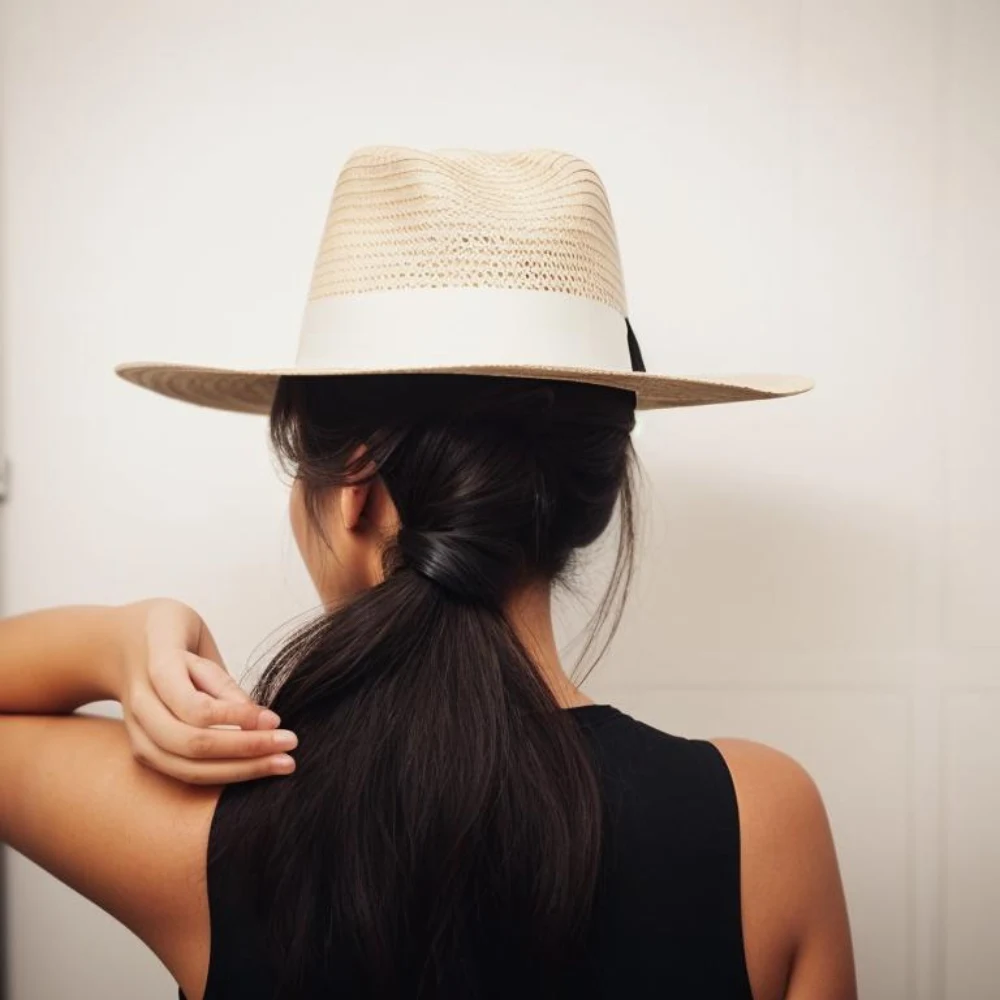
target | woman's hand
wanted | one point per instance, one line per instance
(175, 688)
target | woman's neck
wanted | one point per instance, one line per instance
(530, 614)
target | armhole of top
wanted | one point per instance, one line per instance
(729, 787)
(212, 894)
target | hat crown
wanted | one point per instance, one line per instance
(403, 218)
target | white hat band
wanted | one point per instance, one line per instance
(425, 327)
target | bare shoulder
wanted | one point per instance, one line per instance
(796, 930)
(774, 785)
(76, 802)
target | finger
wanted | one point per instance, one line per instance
(207, 646)
(219, 772)
(201, 742)
(172, 682)
(215, 679)
(218, 682)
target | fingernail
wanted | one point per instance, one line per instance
(269, 718)
(285, 739)
(282, 762)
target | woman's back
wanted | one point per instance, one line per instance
(667, 915)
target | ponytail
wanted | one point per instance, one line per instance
(441, 834)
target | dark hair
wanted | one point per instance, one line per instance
(441, 834)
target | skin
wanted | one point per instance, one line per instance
(87, 797)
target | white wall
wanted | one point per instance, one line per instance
(799, 186)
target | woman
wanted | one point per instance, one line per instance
(459, 819)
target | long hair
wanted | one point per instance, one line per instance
(441, 834)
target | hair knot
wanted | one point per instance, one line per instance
(469, 567)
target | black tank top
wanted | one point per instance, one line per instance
(667, 923)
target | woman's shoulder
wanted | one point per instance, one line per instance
(772, 782)
(78, 803)
(768, 782)
(783, 818)
(792, 897)
(757, 813)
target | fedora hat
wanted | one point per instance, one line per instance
(465, 262)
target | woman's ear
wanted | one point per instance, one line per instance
(354, 495)
(368, 505)
(369, 517)
(353, 500)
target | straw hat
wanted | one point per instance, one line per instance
(464, 261)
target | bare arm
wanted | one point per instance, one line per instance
(75, 801)
(57, 660)
(159, 660)
(74, 794)
(796, 928)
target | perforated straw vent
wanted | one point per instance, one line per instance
(462, 218)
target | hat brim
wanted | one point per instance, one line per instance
(252, 390)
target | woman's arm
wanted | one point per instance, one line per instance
(158, 658)
(795, 923)
(75, 801)
(56, 660)
(74, 796)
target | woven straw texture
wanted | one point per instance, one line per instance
(402, 218)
